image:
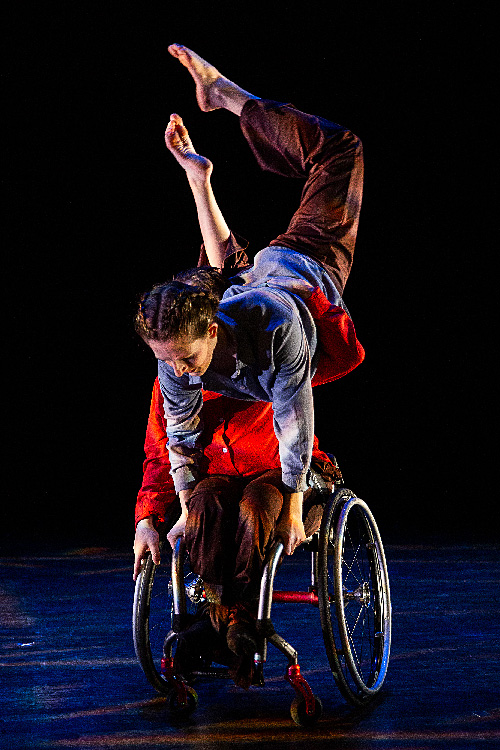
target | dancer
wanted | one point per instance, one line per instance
(261, 341)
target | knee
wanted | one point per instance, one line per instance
(259, 502)
(356, 146)
(206, 497)
(344, 142)
(345, 149)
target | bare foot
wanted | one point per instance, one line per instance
(204, 76)
(179, 144)
(213, 91)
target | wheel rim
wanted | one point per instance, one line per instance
(362, 599)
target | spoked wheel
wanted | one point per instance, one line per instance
(152, 615)
(354, 597)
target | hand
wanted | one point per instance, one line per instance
(178, 142)
(291, 533)
(177, 530)
(290, 527)
(146, 538)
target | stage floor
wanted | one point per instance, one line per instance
(70, 678)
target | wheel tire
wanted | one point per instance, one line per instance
(354, 597)
(299, 714)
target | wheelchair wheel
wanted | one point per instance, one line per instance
(354, 597)
(152, 615)
(299, 713)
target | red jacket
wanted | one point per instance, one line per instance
(238, 440)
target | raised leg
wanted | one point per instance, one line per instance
(292, 143)
(295, 144)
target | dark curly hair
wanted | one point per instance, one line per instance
(185, 306)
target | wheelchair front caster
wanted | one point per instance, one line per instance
(182, 704)
(298, 712)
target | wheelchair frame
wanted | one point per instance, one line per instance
(349, 584)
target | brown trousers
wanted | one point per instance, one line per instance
(231, 523)
(292, 143)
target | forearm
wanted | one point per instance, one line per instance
(184, 427)
(183, 498)
(292, 505)
(294, 428)
(214, 230)
(198, 169)
(179, 528)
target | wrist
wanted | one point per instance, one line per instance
(147, 523)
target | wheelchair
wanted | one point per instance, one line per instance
(349, 584)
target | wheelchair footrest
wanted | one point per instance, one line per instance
(219, 673)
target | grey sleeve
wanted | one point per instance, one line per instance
(293, 404)
(183, 402)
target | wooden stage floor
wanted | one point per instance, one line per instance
(70, 678)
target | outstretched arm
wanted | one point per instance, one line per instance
(214, 229)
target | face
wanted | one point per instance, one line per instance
(187, 355)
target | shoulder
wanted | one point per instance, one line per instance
(266, 320)
(258, 304)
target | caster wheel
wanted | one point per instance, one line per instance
(301, 717)
(181, 710)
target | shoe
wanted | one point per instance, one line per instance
(204, 641)
(241, 632)
(195, 646)
(241, 670)
(219, 616)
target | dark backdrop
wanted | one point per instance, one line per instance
(97, 211)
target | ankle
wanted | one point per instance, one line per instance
(242, 613)
(227, 95)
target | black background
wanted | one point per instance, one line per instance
(97, 211)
